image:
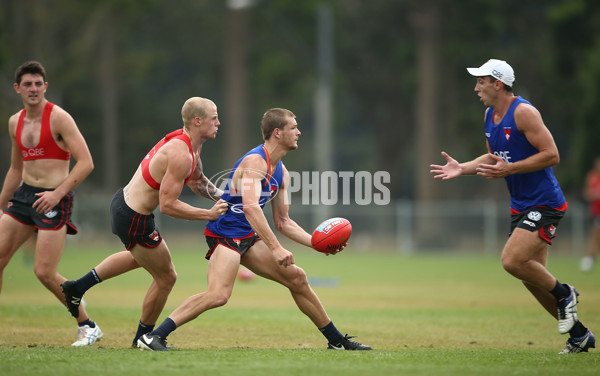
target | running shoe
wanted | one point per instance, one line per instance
(135, 345)
(567, 311)
(87, 336)
(152, 343)
(72, 297)
(581, 344)
(586, 264)
(347, 344)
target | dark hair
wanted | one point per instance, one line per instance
(29, 67)
(274, 118)
(506, 87)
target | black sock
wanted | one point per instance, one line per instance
(560, 291)
(142, 329)
(165, 328)
(578, 330)
(331, 333)
(87, 281)
(87, 322)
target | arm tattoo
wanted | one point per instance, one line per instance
(206, 188)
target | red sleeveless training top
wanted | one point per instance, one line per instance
(47, 147)
(146, 161)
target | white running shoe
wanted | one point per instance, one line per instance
(567, 311)
(586, 264)
(87, 336)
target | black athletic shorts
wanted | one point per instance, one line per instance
(20, 207)
(132, 227)
(542, 219)
(241, 246)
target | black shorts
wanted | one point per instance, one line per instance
(132, 227)
(241, 246)
(20, 207)
(542, 219)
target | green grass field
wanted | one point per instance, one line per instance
(430, 314)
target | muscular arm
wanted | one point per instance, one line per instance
(453, 169)
(178, 162)
(63, 124)
(530, 123)
(202, 186)
(252, 170)
(14, 174)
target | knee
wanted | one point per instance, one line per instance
(299, 280)
(166, 281)
(172, 278)
(45, 275)
(510, 264)
(169, 280)
(218, 299)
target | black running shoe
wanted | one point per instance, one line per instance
(581, 344)
(347, 344)
(152, 343)
(134, 345)
(72, 297)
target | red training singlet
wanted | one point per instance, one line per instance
(47, 147)
(146, 161)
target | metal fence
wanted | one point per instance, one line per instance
(402, 226)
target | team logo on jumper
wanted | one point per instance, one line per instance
(507, 133)
(51, 214)
(534, 216)
(33, 152)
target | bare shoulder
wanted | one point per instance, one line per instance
(527, 117)
(178, 154)
(13, 120)
(254, 161)
(61, 120)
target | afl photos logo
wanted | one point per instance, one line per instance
(223, 181)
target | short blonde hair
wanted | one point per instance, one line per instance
(195, 106)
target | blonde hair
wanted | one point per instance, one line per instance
(195, 106)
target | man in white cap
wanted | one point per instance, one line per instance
(521, 150)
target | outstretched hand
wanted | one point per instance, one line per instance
(448, 171)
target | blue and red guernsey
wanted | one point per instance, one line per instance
(538, 188)
(234, 224)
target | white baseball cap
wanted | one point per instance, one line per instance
(499, 69)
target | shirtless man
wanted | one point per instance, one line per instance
(172, 163)
(40, 181)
